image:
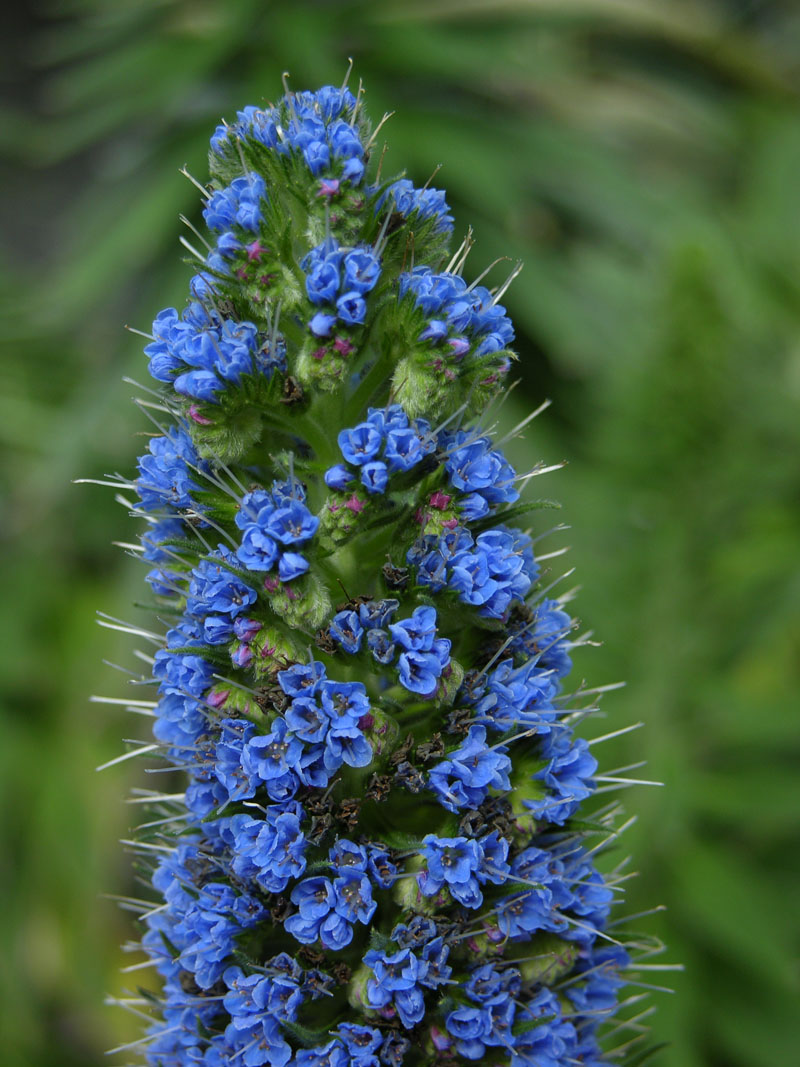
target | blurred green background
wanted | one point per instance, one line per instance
(642, 159)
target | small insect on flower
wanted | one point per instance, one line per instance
(383, 848)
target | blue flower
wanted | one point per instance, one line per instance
(200, 384)
(362, 1042)
(347, 854)
(239, 783)
(381, 868)
(419, 672)
(272, 757)
(271, 851)
(322, 323)
(354, 897)
(405, 448)
(465, 778)
(179, 720)
(347, 744)
(167, 475)
(567, 774)
(301, 679)
(376, 613)
(291, 565)
(470, 1027)
(331, 1055)
(396, 981)
(314, 897)
(374, 476)
(292, 830)
(254, 1034)
(452, 862)
(351, 308)
(474, 467)
(182, 673)
(425, 203)
(322, 284)
(382, 649)
(416, 633)
(361, 270)
(213, 589)
(347, 631)
(307, 720)
(257, 551)
(360, 444)
(345, 702)
(292, 524)
(338, 477)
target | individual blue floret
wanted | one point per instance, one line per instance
(403, 197)
(170, 473)
(470, 771)
(397, 980)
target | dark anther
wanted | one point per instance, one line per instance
(320, 825)
(471, 824)
(280, 910)
(188, 984)
(378, 787)
(317, 804)
(292, 391)
(400, 754)
(270, 697)
(459, 721)
(352, 601)
(325, 642)
(200, 869)
(433, 749)
(348, 812)
(396, 220)
(317, 983)
(409, 776)
(499, 816)
(312, 956)
(472, 684)
(395, 577)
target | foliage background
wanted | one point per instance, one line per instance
(641, 157)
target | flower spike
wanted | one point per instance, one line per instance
(382, 852)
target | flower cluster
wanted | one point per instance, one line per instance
(464, 779)
(374, 857)
(272, 524)
(338, 282)
(491, 571)
(422, 658)
(320, 129)
(458, 317)
(170, 472)
(385, 443)
(328, 909)
(480, 472)
(199, 352)
(479, 478)
(418, 204)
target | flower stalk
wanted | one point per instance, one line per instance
(383, 846)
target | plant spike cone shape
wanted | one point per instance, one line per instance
(377, 858)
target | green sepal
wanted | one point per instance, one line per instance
(307, 1037)
(378, 942)
(558, 958)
